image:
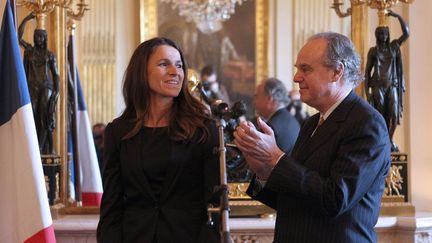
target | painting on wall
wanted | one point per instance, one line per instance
(230, 50)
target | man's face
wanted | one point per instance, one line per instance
(212, 78)
(262, 102)
(98, 135)
(314, 78)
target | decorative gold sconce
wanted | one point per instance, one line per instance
(82, 6)
(42, 7)
(380, 5)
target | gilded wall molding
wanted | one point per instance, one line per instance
(262, 30)
(96, 42)
(148, 19)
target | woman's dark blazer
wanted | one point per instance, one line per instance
(130, 212)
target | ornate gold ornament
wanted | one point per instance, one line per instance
(40, 8)
(43, 7)
(381, 5)
(193, 79)
(394, 182)
(81, 7)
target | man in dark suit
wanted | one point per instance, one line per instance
(329, 189)
(271, 98)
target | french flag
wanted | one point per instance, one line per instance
(91, 182)
(24, 211)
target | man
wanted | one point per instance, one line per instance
(330, 188)
(213, 90)
(271, 98)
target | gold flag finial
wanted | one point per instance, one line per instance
(81, 7)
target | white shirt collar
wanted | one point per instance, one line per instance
(335, 105)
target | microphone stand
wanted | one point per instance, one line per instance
(223, 188)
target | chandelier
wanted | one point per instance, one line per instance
(207, 14)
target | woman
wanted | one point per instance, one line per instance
(159, 165)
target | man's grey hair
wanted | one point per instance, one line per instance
(275, 88)
(340, 49)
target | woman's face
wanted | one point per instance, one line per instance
(165, 72)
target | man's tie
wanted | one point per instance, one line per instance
(320, 122)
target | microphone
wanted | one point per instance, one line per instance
(220, 109)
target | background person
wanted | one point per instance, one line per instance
(271, 99)
(214, 90)
(159, 166)
(98, 131)
(295, 107)
(330, 188)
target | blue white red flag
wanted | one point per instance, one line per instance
(24, 211)
(91, 182)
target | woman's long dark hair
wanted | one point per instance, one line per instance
(187, 113)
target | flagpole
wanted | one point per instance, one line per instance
(25, 213)
(76, 161)
(14, 18)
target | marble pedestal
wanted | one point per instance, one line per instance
(390, 229)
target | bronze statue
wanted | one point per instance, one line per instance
(43, 83)
(384, 82)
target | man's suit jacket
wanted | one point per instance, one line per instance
(286, 129)
(130, 212)
(330, 188)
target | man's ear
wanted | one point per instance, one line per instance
(339, 71)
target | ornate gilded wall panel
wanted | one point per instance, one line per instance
(96, 45)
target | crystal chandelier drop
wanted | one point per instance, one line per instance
(207, 14)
